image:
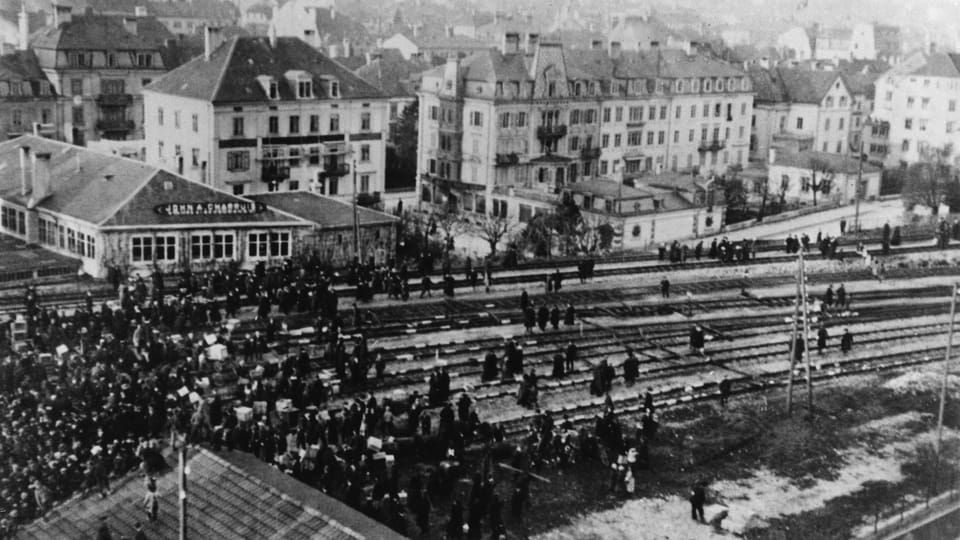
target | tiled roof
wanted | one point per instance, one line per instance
(88, 31)
(449, 42)
(230, 75)
(860, 83)
(324, 211)
(79, 187)
(21, 66)
(392, 74)
(599, 65)
(192, 9)
(229, 496)
(939, 65)
(793, 85)
(334, 29)
(838, 163)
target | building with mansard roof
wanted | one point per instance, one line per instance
(506, 130)
(266, 114)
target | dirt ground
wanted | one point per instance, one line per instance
(826, 478)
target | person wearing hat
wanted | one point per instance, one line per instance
(846, 341)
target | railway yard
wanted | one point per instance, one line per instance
(748, 451)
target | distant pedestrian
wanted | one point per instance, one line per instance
(724, 391)
(665, 287)
(698, 496)
(846, 341)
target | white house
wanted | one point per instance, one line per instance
(800, 172)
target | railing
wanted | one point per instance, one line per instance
(274, 172)
(114, 100)
(551, 132)
(504, 160)
(589, 154)
(712, 146)
(105, 124)
(335, 169)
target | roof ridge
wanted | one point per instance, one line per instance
(223, 71)
(116, 208)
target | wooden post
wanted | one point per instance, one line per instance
(793, 344)
(183, 489)
(806, 333)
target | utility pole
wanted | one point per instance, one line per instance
(856, 217)
(793, 344)
(356, 221)
(946, 370)
(806, 333)
(183, 488)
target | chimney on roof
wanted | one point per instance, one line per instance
(26, 172)
(62, 14)
(533, 39)
(140, 11)
(211, 40)
(511, 43)
(347, 48)
(333, 51)
(272, 35)
(41, 178)
(596, 44)
(23, 24)
(130, 25)
(374, 55)
(614, 49)
(448, 30)
(333, 13)
(416, 30)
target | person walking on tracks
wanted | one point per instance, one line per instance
(697, 339)
(570, 356)
(725, 389)
(822, 337)
(665, 287)
(846, 341)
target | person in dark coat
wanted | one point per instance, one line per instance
(822, 337)
(524, 300)
(570, 315)
(828, 296)
(846, 341)
(631, 368)
(425, 286)
(555, 317)
(490, 368)
(448, 285)
(696, 339)
(543, 315)
(724, 386)
(529, 319)
(665, 287)
(557, 280)
(570, 356)
(841, 296)
(799, 346)
(698, 496)
(557, 366)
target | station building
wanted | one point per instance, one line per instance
(114, 212)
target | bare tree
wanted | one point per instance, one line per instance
(826, 172)
(448, 221)
(930, 181)
(493, 229)
(782, 191)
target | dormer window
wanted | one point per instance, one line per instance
(304, 89)
(270, 86)
(302, 81)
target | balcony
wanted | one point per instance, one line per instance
(712, 146)
(274, 172)
(109, 124)
(337, 170)
(590, 154)
(549, 133)
(114, 100)
(506, 160)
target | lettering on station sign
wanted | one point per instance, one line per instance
(210, 209)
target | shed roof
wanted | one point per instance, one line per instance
(327, 212)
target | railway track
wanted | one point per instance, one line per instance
(12, 302)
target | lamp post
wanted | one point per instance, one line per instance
(857, 192)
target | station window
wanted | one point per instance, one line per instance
(159, 248)
(263, 244)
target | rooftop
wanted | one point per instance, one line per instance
(230, 75)
(230, 495)
(837, 163)
(192, 9)
(326, 212)
(392, 74)
(792, 85)
(88, 31)
(109, 190)
(609, 189)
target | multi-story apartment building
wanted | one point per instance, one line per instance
(101, 63)
(182, 18)
(917, 100)
(28, 102)
(507, 123)
(798, 110)
(266, 114)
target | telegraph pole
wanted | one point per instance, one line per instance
(806, 333)
(793, 344)
(356, 220)
(856, 217)
(946, 370)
